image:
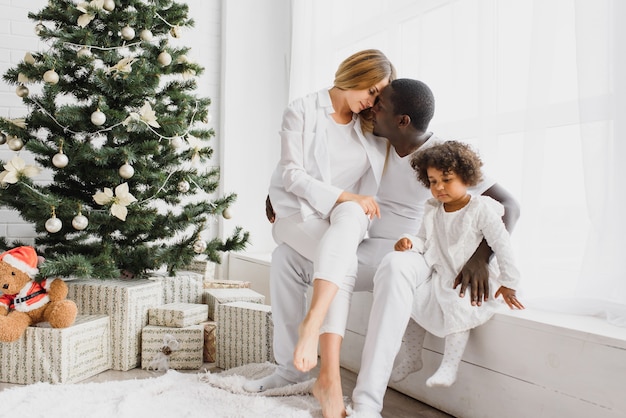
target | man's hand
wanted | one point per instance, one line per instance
(475, 274)
(403, 244)
(269, 210)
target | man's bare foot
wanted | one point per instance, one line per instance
(330, 396)
(305, 353)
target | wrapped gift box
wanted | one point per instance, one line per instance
(165, 348)
(178, 314)
(127, 303)
(205, 268)
(58, 355)
(185, 287)
(208, 353)
(244, 334)
(214, 297)
(225, 284)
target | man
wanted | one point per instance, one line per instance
(402, 114)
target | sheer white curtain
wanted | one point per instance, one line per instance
(539, 86)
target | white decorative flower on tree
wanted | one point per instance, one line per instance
(87, 17)
(15, 168)
(146, 115)
(121, 199)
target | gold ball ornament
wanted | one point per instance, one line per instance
(98, 118)
(14, 143)
(22, 91)
(60, 160)
(3, 138)
(175, 31)
(108, 5)
(80, 222)
(146, 35)
(199, 246)
(39, 27)
(227, 214)
(51, 77)
(53, 225)
(183, 186)
(128, 33)
(126, 171)
(164, 59)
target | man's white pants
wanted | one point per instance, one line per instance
(395, 282)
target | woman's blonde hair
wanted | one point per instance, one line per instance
(362, 70)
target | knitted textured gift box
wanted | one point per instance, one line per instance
(58, 355)
(178, 314)
(127, 303)
(165, 348)
(244, 334)
(214, 297)
(185, 286)
(208, 353)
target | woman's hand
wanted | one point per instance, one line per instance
(368, 203)
(509, 297)
(403, 244)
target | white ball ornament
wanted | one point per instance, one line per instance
(126, 171)
(128, 33)
(177, 142)
(80, 222)
(60, 160)
(39, 27)
(199, 246)
(51, 77)
(22, 91)
(98, 118)
(84, 52)
(164, 59)
(108, 5)
(53, 225)
(146, 35)
(227, 214)
(14, 143)
(183, 186)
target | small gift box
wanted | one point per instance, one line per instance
(214, 297)
(178, 314)
(244, 334)
(205, 268)
(164, 348)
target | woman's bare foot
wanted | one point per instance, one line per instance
(329, 394)
(305, 353)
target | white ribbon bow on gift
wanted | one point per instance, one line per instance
(161, 362)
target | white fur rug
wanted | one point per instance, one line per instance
(172, 394)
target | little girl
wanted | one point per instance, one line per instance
(453, 226)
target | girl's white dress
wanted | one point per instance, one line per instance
(447, 240)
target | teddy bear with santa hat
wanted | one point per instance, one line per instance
(25, 301)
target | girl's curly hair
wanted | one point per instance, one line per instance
(449, 156)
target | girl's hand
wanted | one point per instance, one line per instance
(403, 244)
(509, 297)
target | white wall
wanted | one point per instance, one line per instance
(256, 43)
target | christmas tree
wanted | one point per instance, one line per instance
(112, 115)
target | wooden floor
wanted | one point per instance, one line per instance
(396, 404)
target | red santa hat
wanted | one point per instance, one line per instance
(22, 258)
